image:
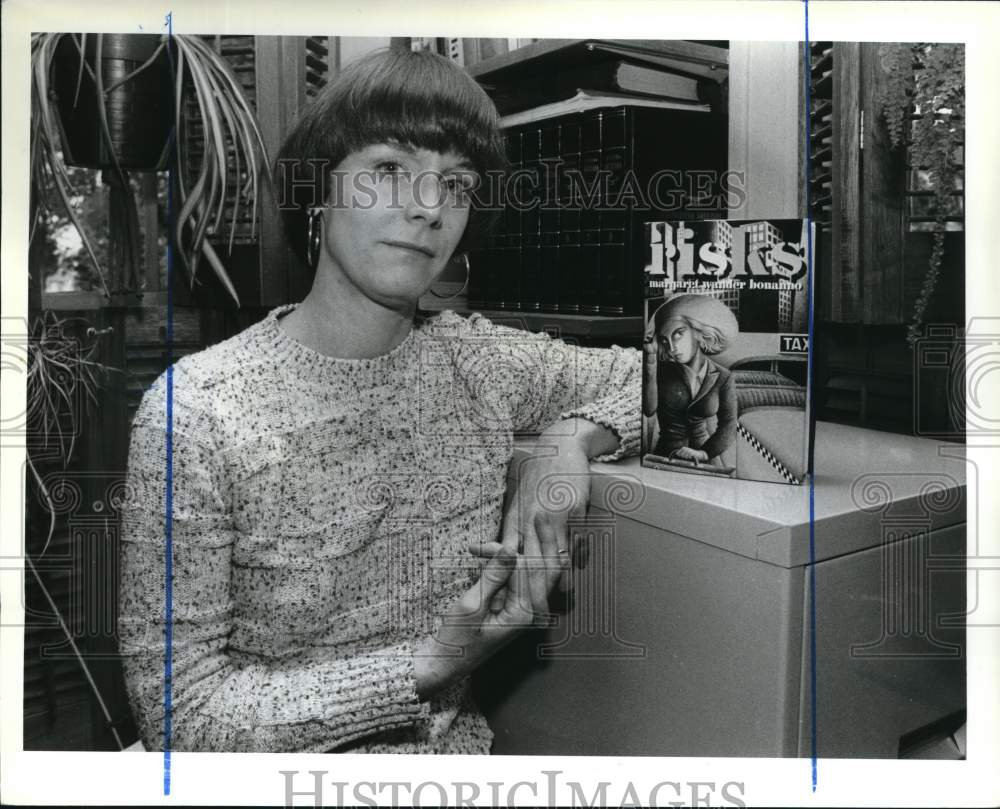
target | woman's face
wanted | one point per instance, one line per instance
(394, 217)
(678, 342)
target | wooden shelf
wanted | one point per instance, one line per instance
(559, 324)
(704, 61)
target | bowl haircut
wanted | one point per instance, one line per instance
(416, 98)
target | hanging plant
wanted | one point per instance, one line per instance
(927, 81)
(233, 160)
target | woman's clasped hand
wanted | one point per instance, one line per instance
(537, 550)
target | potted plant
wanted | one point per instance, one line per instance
(116, 102)
(926, 86)
(63, 378)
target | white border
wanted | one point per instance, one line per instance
(253, 779)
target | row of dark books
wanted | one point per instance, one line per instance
(586, 278)
(579, 189)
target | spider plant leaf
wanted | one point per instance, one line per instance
(252, 139)
(212, 124)
(203, 220)
(189, 202)
(42, 67)
(216, 207)
(240, 97)
(230, 136)
(144, 66)
(205, 189)
(48, 501)
(253, 133)
(79, 72)
(234, 134)
(54, 406)
(237, 196)
(220, 271)
(250, 152)
(178, 120)
(83, 58)
(199, 220)
(76, 651)
(37, 182)
(250, 188)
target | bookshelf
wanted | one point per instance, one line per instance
(691, 58)
(572, 263)
(588, 327)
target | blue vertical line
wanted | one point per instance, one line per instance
(812, 410)
(168, 656)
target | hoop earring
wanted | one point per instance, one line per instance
(314, 235)
(465, 286)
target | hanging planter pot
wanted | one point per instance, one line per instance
(134, 72)
(113, 101)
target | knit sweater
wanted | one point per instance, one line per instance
(321, 512)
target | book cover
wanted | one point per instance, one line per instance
(585, 100)
(612, 76)
(725, 381)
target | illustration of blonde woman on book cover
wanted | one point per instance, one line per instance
(693, 397)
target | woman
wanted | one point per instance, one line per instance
(338, 470)
(693, 397)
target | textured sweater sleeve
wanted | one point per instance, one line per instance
(217, 703)
(541, 379)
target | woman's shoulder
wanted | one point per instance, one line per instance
(448, 323)
(475, 336)
(194, 380)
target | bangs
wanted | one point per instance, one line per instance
(421, 100)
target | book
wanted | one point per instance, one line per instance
(726, 342)
(585, 99)
(614, 76)
(689, 58)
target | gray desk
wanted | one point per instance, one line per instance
(690, 631)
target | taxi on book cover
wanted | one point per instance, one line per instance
(725, 390)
